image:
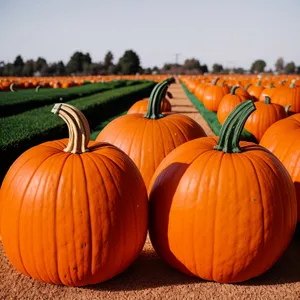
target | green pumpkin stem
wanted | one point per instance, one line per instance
(267, 100)
(233, 89)
(247, 87)
(230, 132)
(156, 97)
(214, 82)
(272, 86)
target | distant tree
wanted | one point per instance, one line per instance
(129, 63)
(298, 70)
(108, 62)
(147, 71)
(18, 66)
(40, 64)
(155, 70)
(238, 70)
(279, 65)
(192, 64)
(204, 69)
(8, 69)
(217, 68)
(60, 69)
(77, 62)
(28, 68)
(290, 68)
(258, 66)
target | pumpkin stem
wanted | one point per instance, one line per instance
(157, 95)
(78, 126)
(287, 108)
(247, 86)
(259, 83)
(230, 132)
(267, 100)
(272, 86)
(214, 82)
(233, 89)
(293, 83)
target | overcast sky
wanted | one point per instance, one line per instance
(230, 32)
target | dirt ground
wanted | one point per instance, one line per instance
(150, 278)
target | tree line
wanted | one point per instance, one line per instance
(129, 63)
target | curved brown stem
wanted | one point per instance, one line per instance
(79, 130)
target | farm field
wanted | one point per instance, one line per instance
(197, 97)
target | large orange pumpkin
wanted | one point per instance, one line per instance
(283, 140)
(69, 213)
(220, 209)
(229, 102)
(213, 95)
(265, 115)
(285, 96)
(147, 139)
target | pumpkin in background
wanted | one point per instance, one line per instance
(69, 215)
(267, 92)
(141, 106)
(199, 91)
(147, 139)
(255, 90)
(229, 102)
(213, 95)
(222, 210)
(283, 140)
(266, 114)
(289, 95)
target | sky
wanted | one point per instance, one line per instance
(231, 32)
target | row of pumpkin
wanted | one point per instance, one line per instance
(272, 103)
(76, 212)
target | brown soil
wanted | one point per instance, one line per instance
(150, 278)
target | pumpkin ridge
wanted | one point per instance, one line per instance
(90, 240)
(55, 218)
(101, 210)
(121, 259)
(19, 214)
(64, 157)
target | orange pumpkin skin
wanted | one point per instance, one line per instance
(148, 141)
(264, 116)
(72, 219)
(199, 91)
(212, 97)
(208, 220)
(283, 140)
(288, 96)
(255, 91)
(140, 107)
(229, 102)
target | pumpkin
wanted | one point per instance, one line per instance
(213, 95)
(265, 115)
(222, 210)
(255, 90)
(199, 91)
(141, 106)
(267, 92)
(147, 139)
(229, 102)
(288, 96)
(69, 213)
(283, 140)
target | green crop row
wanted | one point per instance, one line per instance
(12, 103)
(211, 117)
(20, 132)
